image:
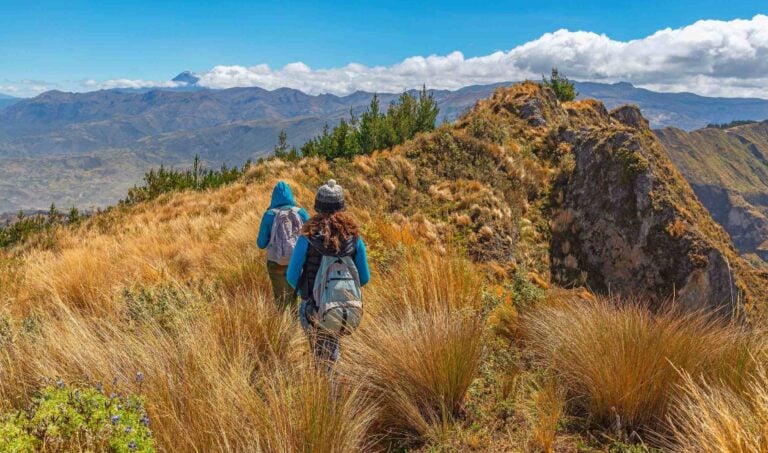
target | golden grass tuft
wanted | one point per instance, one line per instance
(303, 410)
(426, 281)
(418, 365)
(710, 417)
(543, 409)
(622, 363)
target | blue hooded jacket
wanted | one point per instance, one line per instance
(281, 197)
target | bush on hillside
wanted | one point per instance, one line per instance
(23, 227)
(65, 418)
(199, 178)
(731, 124)
(559, 83)
(373, 130)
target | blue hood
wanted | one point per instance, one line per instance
(282, 196)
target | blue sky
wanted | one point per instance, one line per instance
(64, 43)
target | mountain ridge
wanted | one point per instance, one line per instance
(222, 126)
(7, 100)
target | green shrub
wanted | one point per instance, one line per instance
(23, 227)
(373, 130)
(65, 418)
(163, 180)
(563, 88)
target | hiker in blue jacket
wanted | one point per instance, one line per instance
(279, 233)
(333, 234)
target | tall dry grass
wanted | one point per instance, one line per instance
(711, 417)
(198, 378)
(424, 280)
(420, 346)
(622, 363)
(303, 410)
(418, 366)
(543, 410)
(188, 237)
(177, 291)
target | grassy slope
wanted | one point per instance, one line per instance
(458, 233)
(720, 157)
(728, 168)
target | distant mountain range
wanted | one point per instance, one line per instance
(682, 110)
(6, 100)
(86, 149)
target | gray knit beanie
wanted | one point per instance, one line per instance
(329, 198)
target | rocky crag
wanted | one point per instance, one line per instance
(569, 192)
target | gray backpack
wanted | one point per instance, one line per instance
(338, 295)
(286, 229)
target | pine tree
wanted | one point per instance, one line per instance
(281, 149)
(371, 122)
(74, 216)
(405, 117)
(428, 111)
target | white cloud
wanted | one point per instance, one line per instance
(23, 88)
(709, 57)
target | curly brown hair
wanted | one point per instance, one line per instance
(334, 228)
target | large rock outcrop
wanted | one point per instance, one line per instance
(623, 219)
(627, 222)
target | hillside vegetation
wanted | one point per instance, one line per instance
(728, 170)
(478, 333)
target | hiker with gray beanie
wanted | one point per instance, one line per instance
(328, 268)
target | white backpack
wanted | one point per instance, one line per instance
(338, 295)
(286, 229)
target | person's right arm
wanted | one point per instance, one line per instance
(296, 265)
(265, 229)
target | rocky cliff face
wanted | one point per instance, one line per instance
(622, 217)
(628, 222)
